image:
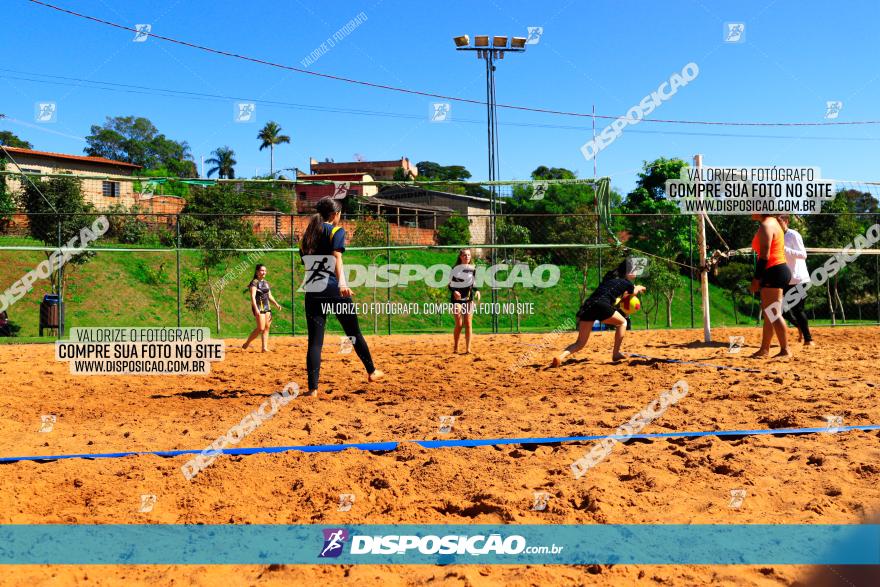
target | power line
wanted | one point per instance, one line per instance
(429, 94)
(190, 95)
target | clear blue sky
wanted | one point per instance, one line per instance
(796, 56)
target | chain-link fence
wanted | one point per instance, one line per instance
(190, 270)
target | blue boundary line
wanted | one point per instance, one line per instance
(469, 443)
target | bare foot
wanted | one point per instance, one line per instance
(311, 393)
(244, 346)
(376, 375)
(618, 357)
(760, 353)
(811, 343)
(556, 362)
(782, 353)
(467, 352)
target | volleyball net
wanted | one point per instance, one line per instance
(159, 264)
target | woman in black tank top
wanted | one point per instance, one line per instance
(464, 295)
(601, 306)
(261, 297)
(321, 249)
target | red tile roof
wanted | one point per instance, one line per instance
(99, 160)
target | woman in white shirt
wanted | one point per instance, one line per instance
(795, 257)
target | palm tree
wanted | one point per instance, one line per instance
(223, 162)
(271, 137)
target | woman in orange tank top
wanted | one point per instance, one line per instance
(771, 276)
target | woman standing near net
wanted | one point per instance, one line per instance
(261, 297)
(463, 294)
(771, 277)
(321, 249)
(795, 258)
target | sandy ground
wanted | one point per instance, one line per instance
(504, 389)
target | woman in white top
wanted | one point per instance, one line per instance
(795, 257)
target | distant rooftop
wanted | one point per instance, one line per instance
(64, 156)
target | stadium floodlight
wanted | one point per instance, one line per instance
(490, 53)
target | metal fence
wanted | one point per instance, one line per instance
(148, 270)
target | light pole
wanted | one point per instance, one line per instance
(490, 51)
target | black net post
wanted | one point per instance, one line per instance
(292, 279)
(177, 255)
(691, 264)
(388, 251)
(60, 330)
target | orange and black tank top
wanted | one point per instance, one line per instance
(777, 247)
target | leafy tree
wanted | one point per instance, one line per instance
(137, 140)
(212, 221)
(862, 202)
(125, 226)
(558, 199)
(223, 162)
(56, 203)
(400, 174)
(370, 232)
(653, 175)
(7, 203)
(662, 280)
(455, 231)
(737, 231)
(434, 171)
(735, 278)
(570, 210)
(544, 172)
(270, 135)
(664, 236)
(9, 139)
(509, 233)
(835, 227)
(195, 299)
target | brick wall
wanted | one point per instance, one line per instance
(264, 224)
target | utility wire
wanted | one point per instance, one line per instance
(430, 94)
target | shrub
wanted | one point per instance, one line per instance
(196, 298)
(455, 231)
(150, 276)
(124, 227)
(369, 232)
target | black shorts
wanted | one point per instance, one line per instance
(463, 306)
(776, 277)
(593, 310)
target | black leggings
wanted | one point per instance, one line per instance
(316, 320)
(797, 315)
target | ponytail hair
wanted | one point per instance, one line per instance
(326, 209)
(618, 272)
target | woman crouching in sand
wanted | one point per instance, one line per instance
(600, 306)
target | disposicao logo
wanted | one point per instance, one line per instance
(334, 540)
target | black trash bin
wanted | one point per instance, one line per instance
(50, 313)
